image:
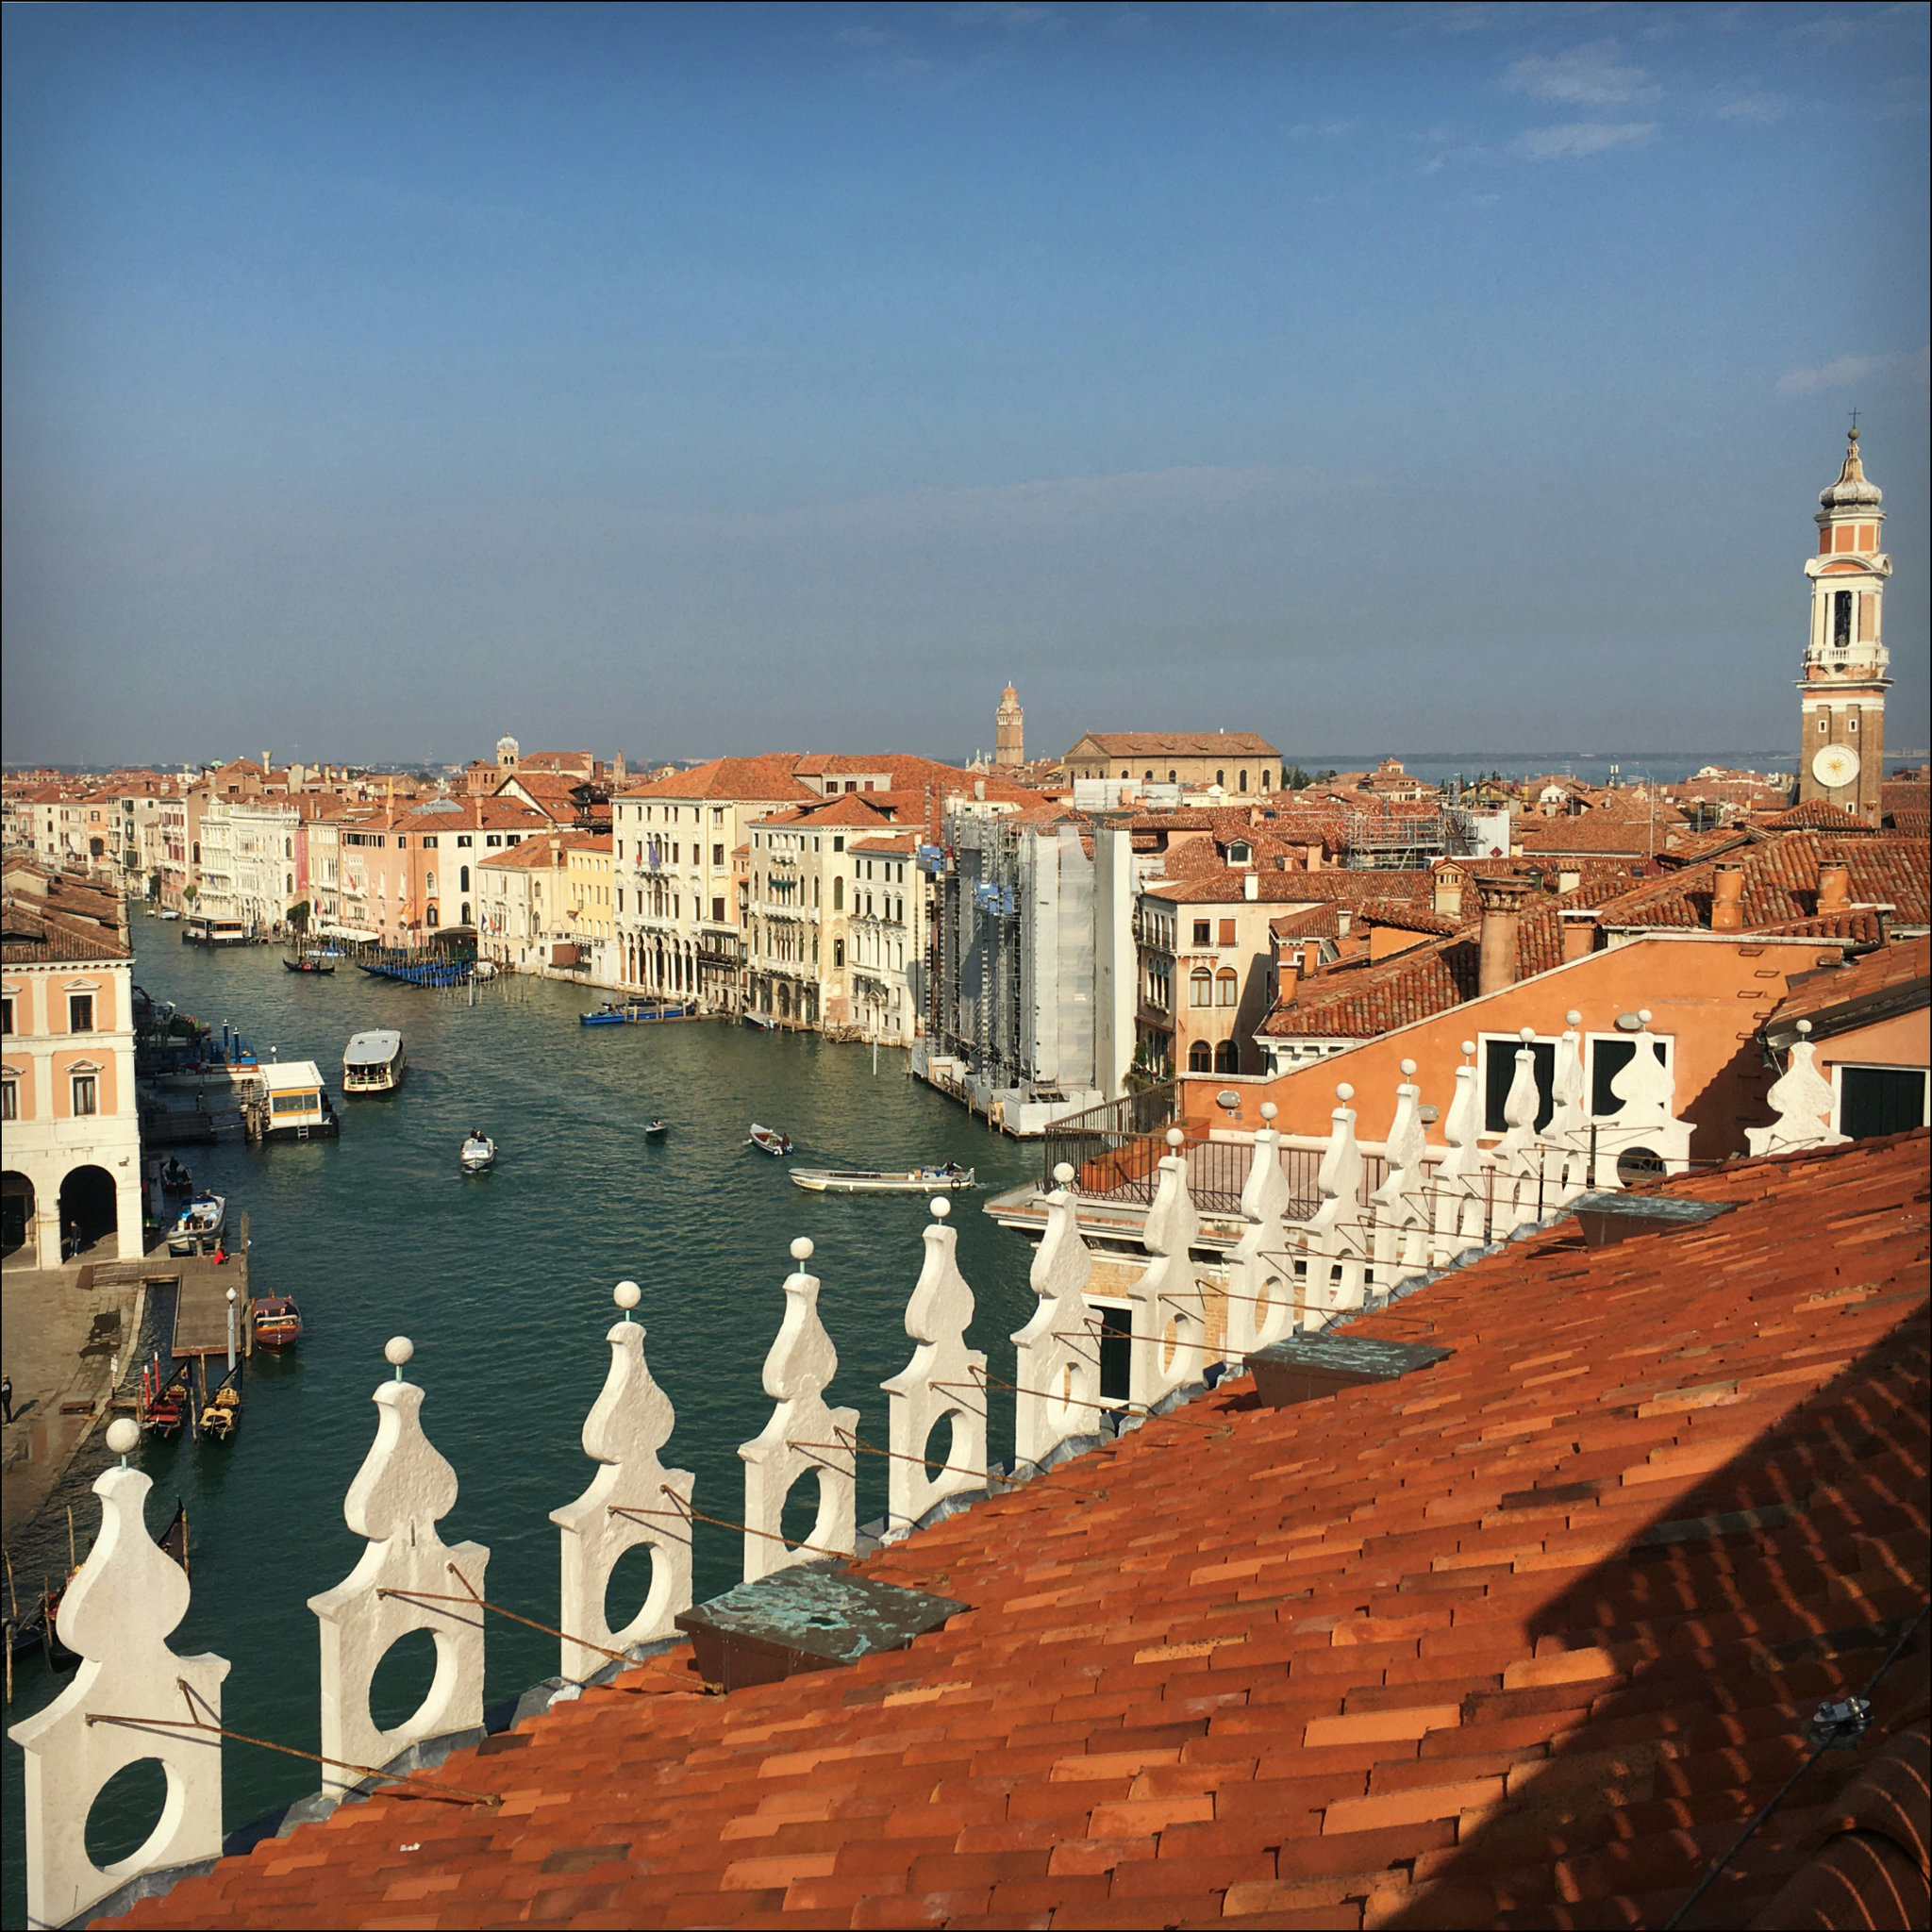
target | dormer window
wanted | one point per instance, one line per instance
(1238, 854)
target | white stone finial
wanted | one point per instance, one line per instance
(1644, 1014)
(1168, 1323)
(1803, 1098)
(397, 1351)
(1408, 1070)
(940, 1207)
(1805, 1027)
(1175, 1137)
(628, 1423)
(627, 1294)
(1467, 1048)
(123, 1434)
(1063, 1173)
(1526, 1034)
(937, 1386)
(117, 1614)
(1572, 1018)
(1269, 1111)
(1344, 1093)
(403, 1490)
(1055, 1367)
(804, 1435)
(1260, 1283)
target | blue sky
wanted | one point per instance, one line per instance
(379, 379)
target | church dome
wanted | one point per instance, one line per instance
(1851, 490)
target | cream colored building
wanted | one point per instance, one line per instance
(676, 920)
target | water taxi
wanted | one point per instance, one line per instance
(199, 1229)
(947, 1178)
(298, 1107)
(200, 930)
(278, 1320)
(374, 1063)
(478, 1153)
(606, 1015)
(768, 1140)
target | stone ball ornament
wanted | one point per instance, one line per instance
(397, 1350)
(627, 1294)
(800, 1248)
(122, 1435)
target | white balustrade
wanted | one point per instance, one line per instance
(1056, 1353)
(1644, 1129)
(1802, 1097)
(1261, 1274)
(625, 1507)
(1330, 1242)
(117, 1614)
(803, 1436)
(408, 1580)
(1398, 1241)
(945, 1382)
(1166, 1349)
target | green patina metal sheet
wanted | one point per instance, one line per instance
(824, 1612)
(1351, 1355)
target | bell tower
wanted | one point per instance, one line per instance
(1010, 740)
(1841, 695)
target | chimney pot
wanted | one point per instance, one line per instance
(1834, 886)
(1251, 885)
(1502, 902)
(1579, 935)
(1727, 900)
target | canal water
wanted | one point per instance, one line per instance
(503, 1282)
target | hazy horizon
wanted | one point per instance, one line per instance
(378, 380)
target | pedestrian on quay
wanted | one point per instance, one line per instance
(6, 1397)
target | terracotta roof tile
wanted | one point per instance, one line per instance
(761, 780)
(1190, 744)
(1781, 883)
(1816, 815)
(1466, 1648)
(1894, 970)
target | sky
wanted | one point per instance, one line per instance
(682, 381)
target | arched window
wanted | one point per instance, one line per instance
(1227, 988)
(838, 895)
(1124, 774)
(838, 952)
(1200, 988)
(429, 882)
(463, 882)
(466, 912)
(1200, 1057)
(1244, 781)
(1227, 1057)
(287, 848)
(1220, 778)
(432, 915)
(1149, 778)
(1265, 785)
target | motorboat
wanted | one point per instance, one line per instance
(175, 1179)
(478, 1153)
(760, 1022)
(657, 1128)
(278, 1320)
(167, 912)
(483, 968)
(947, 1178)
(768, 1140)
(606, 1015)
(199, 1228)
(374, 1063)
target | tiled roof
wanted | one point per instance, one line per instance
(1177, 744)
(1816, 815)
(1595, 833)
(848, 808)
(914, 774)
(761, 780)
(1890, 970)
(1916, 824)
(1781, 883)
(898, 848)
(32, 935)
(1523, 1639)
(1360, 1002)
(1326, 885)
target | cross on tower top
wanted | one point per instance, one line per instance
(1854, 425)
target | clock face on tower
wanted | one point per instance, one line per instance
(1836, 765)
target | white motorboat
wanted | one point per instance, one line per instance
(945, 1178)
(374, 1063)
(479, 1155)
(768, 1140)
(199, 1227)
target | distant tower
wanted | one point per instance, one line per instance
(1010, 738)
(1841, 756)
(506, 758)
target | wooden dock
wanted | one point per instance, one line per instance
(201, 1296)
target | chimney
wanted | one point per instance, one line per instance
(1312, 854)
(1727, 899)
(1834, 886)
(1502, 901)
(1343, 920)
(1580, 934)
(1251, 885)
(1448, 902)
(1311, 957)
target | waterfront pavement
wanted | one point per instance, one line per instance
(63, 1336)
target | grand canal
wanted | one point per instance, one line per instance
(503, 1284)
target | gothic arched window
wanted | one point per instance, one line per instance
(1200, 1057)
(1842, 619)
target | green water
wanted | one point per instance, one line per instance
(504, 1282)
